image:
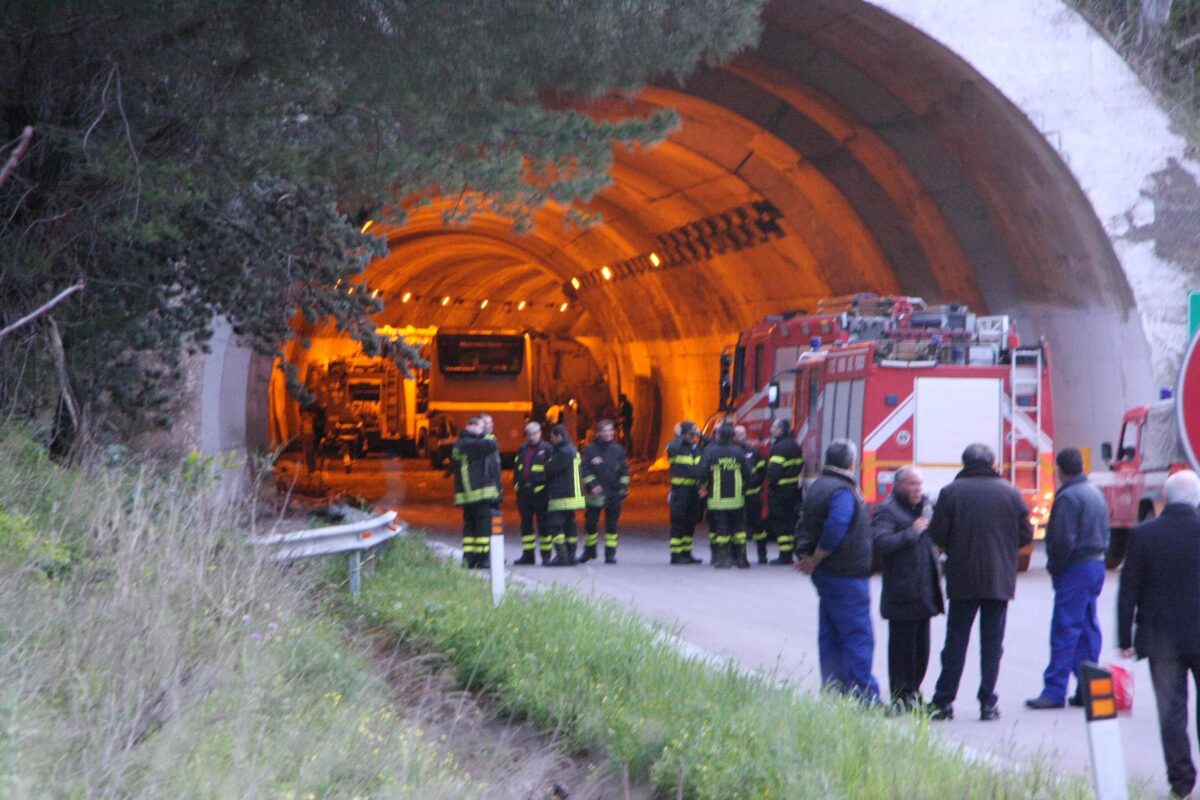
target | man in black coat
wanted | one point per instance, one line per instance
(1076, 538)
(1160, 593)
(981, 521)
(912, 592)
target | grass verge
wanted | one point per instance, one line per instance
(604, 680)
(145, 651)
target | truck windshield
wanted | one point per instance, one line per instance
(1129, 441)
(481, 354)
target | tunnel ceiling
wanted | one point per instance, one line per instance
(847, 152)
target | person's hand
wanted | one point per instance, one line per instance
(805, 564)
(1128, 652)
(704, 491)
(597, 490)
(920, 524)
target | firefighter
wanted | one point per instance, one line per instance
(605, 473)
(529, 483)
(783, 488)
(492, 473)
(683, 455)
(564, 496)
(724, 472)
(754, 484)
(474, 491)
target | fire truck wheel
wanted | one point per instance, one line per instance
(1118, 542)
(1023, 556)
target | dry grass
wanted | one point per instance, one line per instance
(145, 651)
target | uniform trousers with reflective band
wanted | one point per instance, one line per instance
(477, 530)
(725, 526)
(992, 616)
(1074, 627)
(686, 509)
(908, 659)
(845, 638)
(560, 527)
(532, 506)
(1170, 679)
(783, 511)
(754, 520)
(612, 515)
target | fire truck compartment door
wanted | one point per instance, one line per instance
(952, 413)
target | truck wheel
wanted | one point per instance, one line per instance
(1023, 557)
(1118, 542)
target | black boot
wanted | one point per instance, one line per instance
(527, 559)
(571, 560)
(722, 556)
(483, 560)
(610, 555)
(589, 553)
(784, 559)
(560, 557)
(688, 558)
(762, 551)
(739, 555)
(677, 558)
(547, 556)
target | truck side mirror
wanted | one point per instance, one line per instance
(1106, 451)
(773, 394)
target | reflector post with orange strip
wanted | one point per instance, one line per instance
(1104, 735)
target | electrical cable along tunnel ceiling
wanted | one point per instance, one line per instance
(848, 152)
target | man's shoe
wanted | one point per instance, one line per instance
(1043, 702)
(762, 552)
(1075, 700)
(610, 555)
(939, 713)
(526, 559)
(688, 558)
(989, 713)
(589, 554)
(784, 559)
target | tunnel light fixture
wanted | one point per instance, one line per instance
(483, 305)
(564, 307)
(654, 259)
(446, 300)
(575, 282)
(404, 298)
(521, 305)
(375, 293)
(366, 226)
(606, 272)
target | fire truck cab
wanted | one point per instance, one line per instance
(1148, 452)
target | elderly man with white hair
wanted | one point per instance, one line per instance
(1158, 615)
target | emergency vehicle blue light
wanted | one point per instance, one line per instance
(815, 343)
(1164, 393)
(890, 400)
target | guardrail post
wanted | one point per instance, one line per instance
(355, 571)
(496, 551)
(1104, 735)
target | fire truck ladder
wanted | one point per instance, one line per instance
(1025, 383)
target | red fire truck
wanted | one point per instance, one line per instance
(1148, 452)
(909, 384)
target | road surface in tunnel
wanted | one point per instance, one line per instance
(765, 618)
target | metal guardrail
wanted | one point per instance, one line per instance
(351, 537)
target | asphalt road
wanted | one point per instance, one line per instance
(765, 618)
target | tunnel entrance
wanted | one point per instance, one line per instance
(846, 153)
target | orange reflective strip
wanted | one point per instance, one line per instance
(870, 484)
(1100, 687)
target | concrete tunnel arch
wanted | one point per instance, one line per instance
(881, 135)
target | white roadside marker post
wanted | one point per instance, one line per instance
(1104, 733)
(496, 552)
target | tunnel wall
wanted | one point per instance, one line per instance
(1078, 125)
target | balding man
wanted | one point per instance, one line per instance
(981, 521)
(1159, 595)
(912, 592)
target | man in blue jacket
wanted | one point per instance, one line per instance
(834, 541)
(1076, 538)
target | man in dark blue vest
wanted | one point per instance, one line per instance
(834, 541)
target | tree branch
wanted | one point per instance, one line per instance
(30, 317)
(11, 165)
